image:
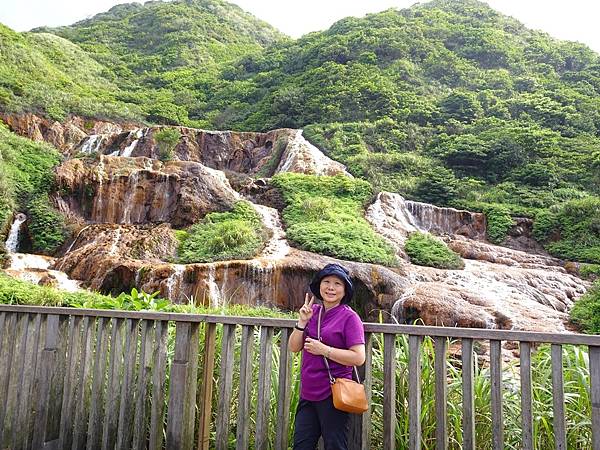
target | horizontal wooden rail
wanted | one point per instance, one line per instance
(417, 330)
(76, 378)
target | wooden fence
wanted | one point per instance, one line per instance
(90, 379)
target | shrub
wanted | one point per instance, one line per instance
(426, 250)
(237, 234)
(166, 140)
(589, 271)
(499, 222)
(586, 311)
(325, 215)
(46, 226)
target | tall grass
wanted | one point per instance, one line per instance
(576, 383)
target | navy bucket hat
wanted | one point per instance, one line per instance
(335, 270)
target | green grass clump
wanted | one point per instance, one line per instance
(586, 311)
(425, 250)
(325, 215)
(499, 221)
(589, 271)
(571, 230)
(237, 234)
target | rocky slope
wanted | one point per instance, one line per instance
(126, 202)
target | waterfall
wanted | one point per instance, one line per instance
(174, 281)
(92, 143)
(12, 242)
(129, 197)
(214, 293)
(127, 151)
(115, 244)
(277, 247)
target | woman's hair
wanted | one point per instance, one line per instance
(337, 271)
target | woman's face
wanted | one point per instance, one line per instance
(332, 290)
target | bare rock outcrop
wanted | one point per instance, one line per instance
(115, 189)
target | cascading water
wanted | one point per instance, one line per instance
(127, 151)
(12, 242)
(92, 143)
(174, 281)
(277, 247)
(214, 293)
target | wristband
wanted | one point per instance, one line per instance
(299, 328)
(328, 352)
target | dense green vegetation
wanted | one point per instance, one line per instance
(237, 234)
(586, 311)
(426, 250)
(325, 215)
(26, 169)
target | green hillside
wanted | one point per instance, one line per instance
(447, 102)
(43, 73)
(166, 53)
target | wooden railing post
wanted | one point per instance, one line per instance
(389, 391)
(468, 397)
(526, 397)
(182, 387)
(558, 397)
(594, 352)
(283, 391)
(48, 361)
(206, 388)
(496, 394)
(414, 392)
(441, 394)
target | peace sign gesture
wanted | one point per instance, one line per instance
(306, 311)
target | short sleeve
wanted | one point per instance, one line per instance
(354, 331)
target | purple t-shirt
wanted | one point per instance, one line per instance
(342, 328)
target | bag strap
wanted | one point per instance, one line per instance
(331, 379)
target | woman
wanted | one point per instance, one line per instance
(342, 343)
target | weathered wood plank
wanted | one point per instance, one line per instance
(94, 433)
(17, 379)
(182, 392)
(159, 371)
(526, 395)
(191, 387)
(56, 383)
(27, 401)
(246, 350)
(368, 381)
(264, 388)
(441, 393)
(558, 398)
(283, 391)
(6, 360)
(125, 434)
(414, 391)
(140, 420)
(496, 394)
(47, 365)
(82, 384)
(225, 387)
(68, 403)
(468, 397)
(206, 389)
(115, 365)
(472, 333)
(594, 353)
(389, 392)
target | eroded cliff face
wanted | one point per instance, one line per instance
(126, 202)
(114, 189)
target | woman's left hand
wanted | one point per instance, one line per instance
(315, 347)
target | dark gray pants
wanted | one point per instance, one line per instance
(316, 419)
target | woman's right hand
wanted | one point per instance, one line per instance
(306, 310)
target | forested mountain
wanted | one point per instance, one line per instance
(447, 102)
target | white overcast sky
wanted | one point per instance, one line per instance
(575, 20)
